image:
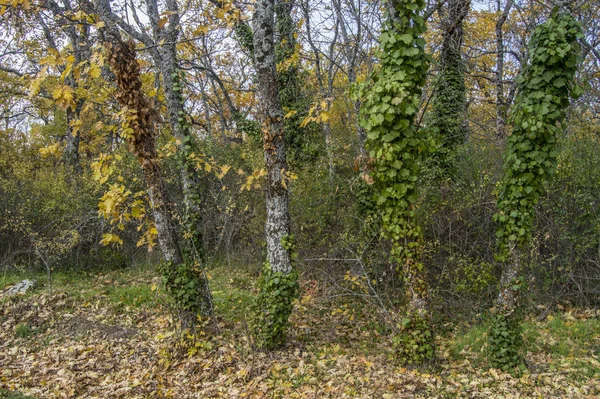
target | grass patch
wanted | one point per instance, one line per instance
(561, 339)
(133, 295)
(23, 331)
(4, 394)
(232, 293)
(471, 343)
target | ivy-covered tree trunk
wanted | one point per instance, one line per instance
(290, 87)
(395, 146)
(544, 88)
(449, 103)
(278, 283)
(167, 61)
(188, 290)
(191, 186)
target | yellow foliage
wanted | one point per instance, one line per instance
(64, 97)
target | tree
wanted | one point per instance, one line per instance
(183, 280)
(544, 88)
(395, 145)
(161, 44)
(279, 280)
(449, 103)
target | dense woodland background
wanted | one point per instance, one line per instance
(226, 127)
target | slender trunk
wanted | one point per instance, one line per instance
(177, 120)
(71, 155)
(501, 106)
(141, 119)
(81, 52)
(329, 150)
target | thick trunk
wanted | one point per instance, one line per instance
(277, 226)
(508, 297)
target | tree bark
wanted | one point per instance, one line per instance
(277, 225)
(78, 40)
(500, 50)
(191, 186)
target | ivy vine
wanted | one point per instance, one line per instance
(187, 283)
(544, 89)
(395, 144)
(185, 286)
(273, 306)
(450, 100)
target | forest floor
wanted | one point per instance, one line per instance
(109, 335)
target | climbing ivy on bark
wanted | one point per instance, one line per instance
(450, 100)
(395, 145)
(544, 89)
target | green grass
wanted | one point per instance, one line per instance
(133, 295)
(23, 331)
(91, 285)
(561, 339)
(232, 293)
(4, 394)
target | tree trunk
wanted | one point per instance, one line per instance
(121, 57)
(449, 102)
(508, 298)
(71, 155)
(141, 118)
(501, 106)
(278, 217)
(177, 120)
(278, 285)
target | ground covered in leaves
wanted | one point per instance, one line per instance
(109, 335)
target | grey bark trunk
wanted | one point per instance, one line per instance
(71, 155)
(167, 61)
(176, 111)
(277, 225)
(508, 298)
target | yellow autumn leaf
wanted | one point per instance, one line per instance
(94, 71)
(224, 170)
